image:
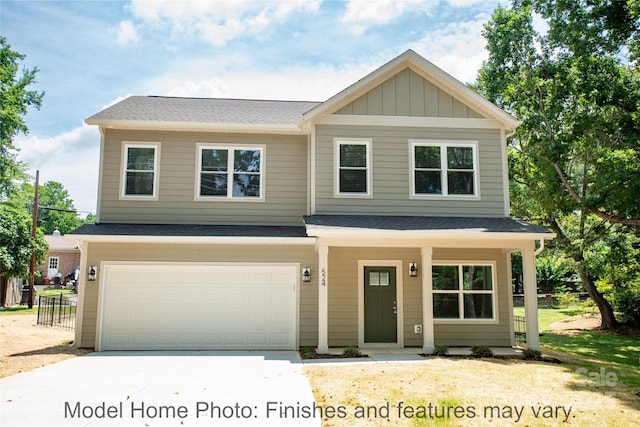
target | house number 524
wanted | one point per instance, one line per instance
(324, 277)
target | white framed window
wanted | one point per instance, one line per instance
(444, 168)
(230, 172)
(464, 291)
(53, 263)
(140, 170)
(353, 167)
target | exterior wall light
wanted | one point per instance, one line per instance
(92, 273)
(306, 274)
(413, 269)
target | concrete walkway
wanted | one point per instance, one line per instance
(197, 388)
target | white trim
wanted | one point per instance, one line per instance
(100, 173)
(367, 142)
(428, 335)
(197, 240)
(399, 302)
(402, 121)
(530, 296)
(293, 129)
(231, 148)
(103, 274)
(81, 287)
(494, 293)
(312, 170)
(505, 174)
(443, 145)
(323, 299)
(507, 255)
(123, 166)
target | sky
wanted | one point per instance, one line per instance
(91, 54)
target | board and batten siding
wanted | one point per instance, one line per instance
(131, 252)
(285, 186)
(408, 94)
(343, 297)
(392, 175)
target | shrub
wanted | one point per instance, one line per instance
(440, 350)
(351, 352)
(308, 353)
(481, 351)
(627, 302)
(530, 354)
(567, 299)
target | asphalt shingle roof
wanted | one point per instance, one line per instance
(205, 110)
(427, 223)
(188, 230)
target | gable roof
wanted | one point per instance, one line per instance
(428, 71)
(160, 112)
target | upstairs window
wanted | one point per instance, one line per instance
(444, 169)
(230, 172)
(140, 171)
(353, 175)
(463, 292)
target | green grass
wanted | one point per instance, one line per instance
(23, 309)
(593, 351)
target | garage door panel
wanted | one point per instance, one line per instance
(198, 307)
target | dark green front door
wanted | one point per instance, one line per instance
(380, 305)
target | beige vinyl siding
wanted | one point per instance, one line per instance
(285, 185)
(343, 297)
(391, 173)
(304, 255)
(408, 94)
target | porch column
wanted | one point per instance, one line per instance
(530, 297)
(427, 300)
(323, 299)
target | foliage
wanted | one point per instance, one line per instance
(440, 350)
(575, 159)
(627, 301)
(15, 100)
(307, 353)
(531, 354)
(551, 272)
(17, 243)
(351, 351)
(567, 299)
(481, 351)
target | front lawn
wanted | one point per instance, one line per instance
(23, 309)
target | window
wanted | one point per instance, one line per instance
(463, 292)
(140, 170)
(230, 172)
(53, 263)
(444, 169)
(353, 164)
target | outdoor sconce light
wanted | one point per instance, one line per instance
(93, 271)
(413, 269)
(306, 274)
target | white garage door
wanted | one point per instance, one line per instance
(198, 307)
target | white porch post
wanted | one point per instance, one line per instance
(530, 297)
(427, 300)
(323, 299)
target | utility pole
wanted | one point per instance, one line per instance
(32, 266)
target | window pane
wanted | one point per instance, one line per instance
(477, 277)
(353, 181)
(459, 158)
(460, 182)
(477, 306)
(445, 306)
(374, 278)
(427, 157)
(139, 184)
(445, 278)
(353, 155)
(428, 182)
(214, 160)
(245, 185)
(141, 159)
(246, 161)
(213, 184)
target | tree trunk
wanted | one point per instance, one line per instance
(606, 311)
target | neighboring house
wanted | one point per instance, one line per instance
(378, 218)
(63, 256)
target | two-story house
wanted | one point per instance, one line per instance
(377, 218)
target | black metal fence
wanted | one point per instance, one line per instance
(520, 330)
(56, 311)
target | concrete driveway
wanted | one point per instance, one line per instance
(190, 388)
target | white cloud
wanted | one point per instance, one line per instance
(212, 88)
(362, 14)
(126, 33)
(219, 21)
(71, 158)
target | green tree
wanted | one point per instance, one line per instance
(575, 159)
(56, 209)
(15, 100)
(17, 243)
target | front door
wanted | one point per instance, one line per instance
(380, 305)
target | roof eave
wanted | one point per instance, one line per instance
(290, 129)
(220, 240)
